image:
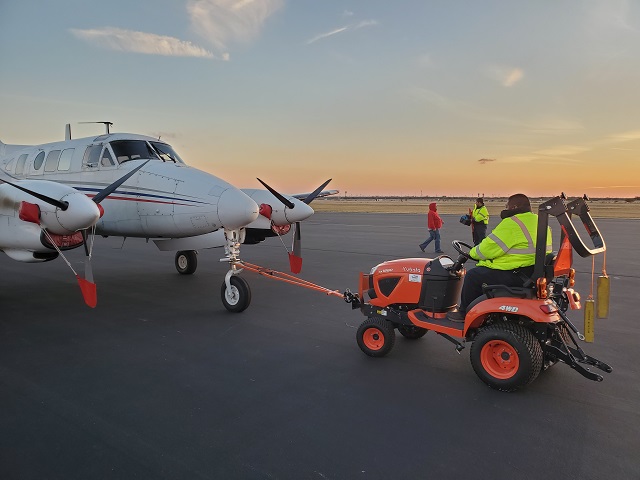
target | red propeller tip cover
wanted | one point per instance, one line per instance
(89, 292)
(295, 263)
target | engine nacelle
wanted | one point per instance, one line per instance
(30, 257)
(81, 211)
(280, 214)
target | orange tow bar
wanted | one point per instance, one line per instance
(285, 277)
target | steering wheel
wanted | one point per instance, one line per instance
(464, 255)
(457, 244)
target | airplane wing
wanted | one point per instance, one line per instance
(324, 193)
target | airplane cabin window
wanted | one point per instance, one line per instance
(37, 163)
(92, 155)
(9, 165)
(20, 164)
(126, 150)
(106, 160)
(51, 163)
(167, 153)
(65, 159)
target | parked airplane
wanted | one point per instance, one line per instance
(176, 205)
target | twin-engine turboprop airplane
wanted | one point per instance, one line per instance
(178, 206)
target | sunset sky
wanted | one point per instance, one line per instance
(385, 97)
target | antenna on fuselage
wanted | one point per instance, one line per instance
(67, 132)
(106, 124)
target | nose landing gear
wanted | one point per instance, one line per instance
(235, 291)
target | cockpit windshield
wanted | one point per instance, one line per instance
(126, 150)
(166, 152)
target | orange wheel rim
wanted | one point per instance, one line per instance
(373, 338)
(499, 359)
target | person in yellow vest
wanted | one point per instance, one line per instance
(504, 257)
(479, 221)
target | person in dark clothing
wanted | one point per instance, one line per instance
(434, 224)
(479, 221)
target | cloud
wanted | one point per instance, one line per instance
(484, 161)
(222, 22)
(354, 26)
(140, 42)
(562, 150)
(553, 126)
(506, 76)
(625, 136)
(325, 35)
(618, 186)
(610, 14)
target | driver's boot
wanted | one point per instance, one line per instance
(456, 316)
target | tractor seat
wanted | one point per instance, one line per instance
(493, 291)
(499, 291)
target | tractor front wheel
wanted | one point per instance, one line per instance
(375, 337)
(506, 356)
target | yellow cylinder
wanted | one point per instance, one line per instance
(602, 295)
(589, 308)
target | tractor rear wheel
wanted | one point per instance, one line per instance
(375, 337)
(412, 332)
(506, 356)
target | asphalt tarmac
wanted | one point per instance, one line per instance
(161, 382)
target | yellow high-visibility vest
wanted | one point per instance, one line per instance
(480, 215)
(511, 244)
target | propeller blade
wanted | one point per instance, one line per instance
(111, 188)
(51, 201)
(297, 240)
(315, 193)
(88, 270)
(287, 203)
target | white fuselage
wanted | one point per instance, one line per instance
(166, 198)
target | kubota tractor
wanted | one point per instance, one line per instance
(516, 332)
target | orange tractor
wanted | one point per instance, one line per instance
(516, 332)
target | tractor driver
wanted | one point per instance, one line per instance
(506, 256)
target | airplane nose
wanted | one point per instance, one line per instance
(236, 209)
(301, 211)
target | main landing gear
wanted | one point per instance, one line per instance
(186, 261)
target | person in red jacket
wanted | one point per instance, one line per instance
(434, 223)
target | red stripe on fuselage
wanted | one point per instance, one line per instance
(142, 200)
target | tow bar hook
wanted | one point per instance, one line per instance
(352, 298)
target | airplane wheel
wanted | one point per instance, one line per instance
(186, 261)
(375, 337)
(238, 298)
(506, 356)
(412, 332)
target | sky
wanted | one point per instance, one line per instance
(403, 97)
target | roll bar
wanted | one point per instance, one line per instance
(558, 208)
